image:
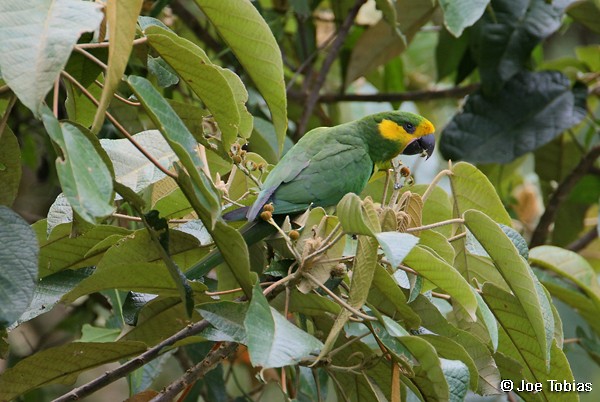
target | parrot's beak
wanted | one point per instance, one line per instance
(424, 144)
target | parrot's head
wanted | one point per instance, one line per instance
(412, 133)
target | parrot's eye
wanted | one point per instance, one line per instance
(409, 127)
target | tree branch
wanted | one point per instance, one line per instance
(313, 95)
(133, 364)
(584, 240)
(541, 231)
(432, 94)
(195, 373)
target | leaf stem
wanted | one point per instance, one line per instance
(435, 225)
(434, 182)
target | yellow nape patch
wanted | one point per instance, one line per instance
(392, 131)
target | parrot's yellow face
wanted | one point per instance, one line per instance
(405, 133)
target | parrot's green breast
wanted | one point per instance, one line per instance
(329, 162)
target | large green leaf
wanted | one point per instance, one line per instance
(471, 189)
(218, 88)
(10, 166)
(489, 376)
(530, 111)
(228, 318)
(18, 265)
(396, 246)
(84, 176)
(502, 41)
(379, 44)
(121, 18)
(62, 364)
(136, 263)
(60, 251)
(272, 340)
(444, 276)
(250, 39)
(516, 273)
(183, 144)
(460, 14)
(518, 340)
(36, 39)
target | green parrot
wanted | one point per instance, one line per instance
(326, 164)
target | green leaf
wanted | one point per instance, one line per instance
(161, 318)
(471, 189)
(429, 376)
(80, 109)
(457, 376)
(10, 166)
(489, 376)
(165, 75)
(62, 365)
(450, 53)
(518, 340)
(502, 41)
(183, 144)
(247, 34)
(312, 304)
(515, 271)
(98, 334)
(217, 87)
(586, 12)
(396, 246)
(272, 340)
(60, 251)
(121, 18)
(84, 176)
(134, 263)
(132, 168)
(36, 39)
(379, 44)
(388, 298)
(444, 276)
(461, 14)
(50, 289)
(228, 318)
(530, 111)
(18, 265)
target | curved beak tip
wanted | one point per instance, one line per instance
(423, 145)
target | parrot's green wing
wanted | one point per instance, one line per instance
(322, 168)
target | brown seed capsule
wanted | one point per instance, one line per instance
(260, 166)
(237, 159)
(294, 234)
(405, 172)
(266, 215)
(268, 207)
(250, 165)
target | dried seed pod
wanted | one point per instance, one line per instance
(268, 207)
(404, 171)
(237, 159)
(294, 234)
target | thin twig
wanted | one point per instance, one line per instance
(92, 57)
(119, 97)
(584, 240)
(434, 183)
(562, 191)
(458, 236)
(337, 299)
(11, 103)
(138, 219)
(435, 225)
(336, 46)
(280, 282)
(326, 247)
(287, 239)
(137, 41)
(120, 127)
